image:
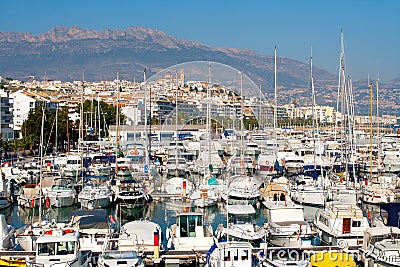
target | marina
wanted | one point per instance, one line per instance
(219, 178)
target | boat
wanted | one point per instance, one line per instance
(5, 196)
(96, 193)
(178, 186)
(94, 226)
(60, 247)
(204, 196)
(286, 226)
(6, 234)
(61, 194)
(144, 232)
(26, 236)
(120, 250)
(131, 194)
(242, 189)
(240, 226)
(381, 246)
(341, 225)
(30, 196)
(231, 253)
(306, 191)
(189, 233)
(332, 258)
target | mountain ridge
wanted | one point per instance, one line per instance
(63, 53)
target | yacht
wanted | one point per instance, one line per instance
(240, 225)
(242, 189)
(30, 196)
(143, 232)
(286, 226)
(231, 253)
(189, 233)
(381, 246)
(61, 194)
(121, 250)
(96, 194)
(60, 247)
(341, 225)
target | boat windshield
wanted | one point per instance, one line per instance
(240, 218)
(56, 248)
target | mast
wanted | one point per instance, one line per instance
(313, 112)
(370, 129)
(275, 105)
(145, 119)
(241, 123)
(41, 164)
(56, 137)
(208, 118)
(117, 118)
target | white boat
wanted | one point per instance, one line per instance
(60, 248)
(378, 193)
(6, 234)
(307, 192)
(242, 189)
(240, 165)
(189, 233)
(26, 236)
(178, 186)
(286, 226)
(73, 168)
(62, 193)
(341, 225)
(232, 254)
(94, 227)
(131, 194)
(143, 232)
(30, 196)
(95, 195)
(120, 251)
(265, 164)
(5, 196)
(381, 246)
(204, 196)
(240, 225)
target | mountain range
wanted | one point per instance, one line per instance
(68, 53)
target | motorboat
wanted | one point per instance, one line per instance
(61, 194)
(60, 247)
(189, 233)
(231, 253)
(341, 224)
(240, 225)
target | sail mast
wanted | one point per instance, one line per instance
(41, 164)
(275, 105)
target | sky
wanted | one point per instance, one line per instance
(371, 27)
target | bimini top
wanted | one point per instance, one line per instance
(241, 209)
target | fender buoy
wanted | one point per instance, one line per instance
(112, 219)
(48, 232)
(47, 202)
(69, 231)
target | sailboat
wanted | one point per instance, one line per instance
(310, 191)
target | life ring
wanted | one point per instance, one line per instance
(131, 153)
(6, 164)
(267, 162)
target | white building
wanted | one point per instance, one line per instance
(23, 104)
(6, 116)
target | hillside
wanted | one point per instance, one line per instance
(65, 53)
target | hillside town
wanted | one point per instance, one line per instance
(163, 96)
